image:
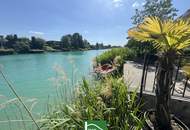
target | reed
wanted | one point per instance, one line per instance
(108, 100)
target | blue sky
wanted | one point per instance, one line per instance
(97, 20)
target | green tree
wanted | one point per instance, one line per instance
(86, 43)
(37, 43)
(99, 45)
(22, 45)
(140, 48)
(2, 41)
(66, 41)
(160, 8)
(54, 44)
(169, 38)
(11, 40)
(77, 41)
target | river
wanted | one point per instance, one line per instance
(32, 74)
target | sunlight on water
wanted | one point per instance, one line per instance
(34, 78)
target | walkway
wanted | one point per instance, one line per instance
(133, 75)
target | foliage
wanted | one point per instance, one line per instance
(11, 40)
(101, 46)
(161, 8)
(140, 48)
(22, 45)
(187, 51)
(26, 45)
(54, 44)
(74, 41)
(107, 100)
(66, 41)
(37, 43)
(170, 38)
(165, 35)
(115, 57)
(109, 56)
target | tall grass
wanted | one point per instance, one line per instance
(107, 100)
(11, 87)
(14, 115)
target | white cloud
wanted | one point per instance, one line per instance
(117, 3)
(36, 32)
(136, 4)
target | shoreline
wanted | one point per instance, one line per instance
(37, 51)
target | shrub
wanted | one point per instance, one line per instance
(107, 100)
(108, 56)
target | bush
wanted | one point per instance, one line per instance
(109, 56)
(107, 100)
(116, 57)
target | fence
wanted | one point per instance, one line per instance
(180, 82)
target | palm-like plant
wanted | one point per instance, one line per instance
(186, 70)
(169, 38)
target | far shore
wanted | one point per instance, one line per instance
(38, 51)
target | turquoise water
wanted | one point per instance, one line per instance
(31, 75)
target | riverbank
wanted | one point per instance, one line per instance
(38, 51)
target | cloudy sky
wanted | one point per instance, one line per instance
(97, 20)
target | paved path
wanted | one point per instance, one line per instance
(133, 75)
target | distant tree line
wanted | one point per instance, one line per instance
(14, 44)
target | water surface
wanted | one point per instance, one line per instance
(31, 74)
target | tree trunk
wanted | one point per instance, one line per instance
(164, 81)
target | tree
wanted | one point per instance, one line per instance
(37, 43)
(77, 41)
(22, 45)
(2, 41)
(169, 38)
(66, 41)
(11, 40)
(140, 48)
(99, 45)
(86, 43)
(160, 8)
